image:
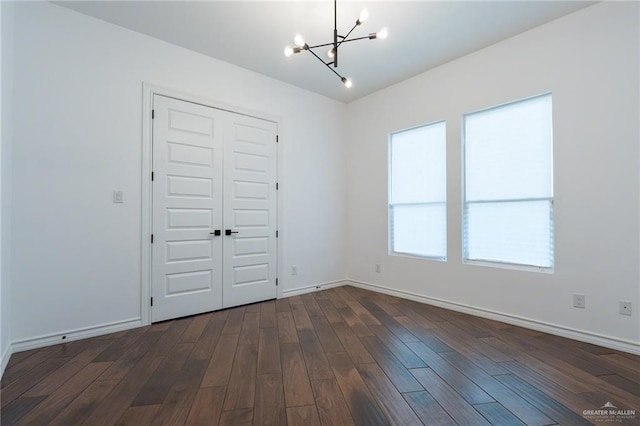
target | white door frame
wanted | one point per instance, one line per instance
(149, 90)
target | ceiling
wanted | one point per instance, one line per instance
(252, 34)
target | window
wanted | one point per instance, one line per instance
(418, 191)
(508, 184)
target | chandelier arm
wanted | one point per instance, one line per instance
(345, 37)
(321, 45)
(343, 41)
(355, 39)
(328, 65)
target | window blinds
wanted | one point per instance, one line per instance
(417, 199)
(508, 183)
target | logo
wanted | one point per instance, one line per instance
(609, 413)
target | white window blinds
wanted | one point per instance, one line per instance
(508, 184)
(418, 191)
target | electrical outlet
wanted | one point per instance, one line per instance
(578, 301)
(294, 270)
(625, 308)
(378, 268)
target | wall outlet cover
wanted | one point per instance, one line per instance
(625, 308)
(578, 300)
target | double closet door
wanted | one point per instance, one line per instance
(214, 209)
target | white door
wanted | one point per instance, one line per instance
(250, 215)
(214, 209)
(187, 194)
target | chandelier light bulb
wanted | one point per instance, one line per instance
(331, 53)
(382, 34)
(364, 15)
(347, 82)
(298, 40)
(288, 51)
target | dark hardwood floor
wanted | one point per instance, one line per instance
(342, 356)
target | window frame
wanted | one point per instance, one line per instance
(464, 203)
(390, 247)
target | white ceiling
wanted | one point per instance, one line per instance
(252, 34)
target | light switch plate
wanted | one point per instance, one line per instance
(118, 197)
(578, 300)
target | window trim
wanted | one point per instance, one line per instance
(390, 250)
(494, 263)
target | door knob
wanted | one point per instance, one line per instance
(217, 232)
(229, 232)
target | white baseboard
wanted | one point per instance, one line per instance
(558, 330)
(5, 358)
(314, 287)
(69, 336)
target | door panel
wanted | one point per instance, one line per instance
(250, 210)
(187, 165)
(189, 186)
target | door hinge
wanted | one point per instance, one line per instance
(152, 301)
(276, 282)
(151, 238)
(277, 138)
(277, 234)
(152, 176)
(153, 114)
(277, 186)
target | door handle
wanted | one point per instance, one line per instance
(229, 232)
(217, 232)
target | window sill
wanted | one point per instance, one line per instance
(512, 266)
(417, 256)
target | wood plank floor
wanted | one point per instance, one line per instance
(343, 356)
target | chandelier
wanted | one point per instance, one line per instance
(332, 53)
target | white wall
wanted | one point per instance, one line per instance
(77, 124)
(589, 60)
(78, 136)
(6, 101)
